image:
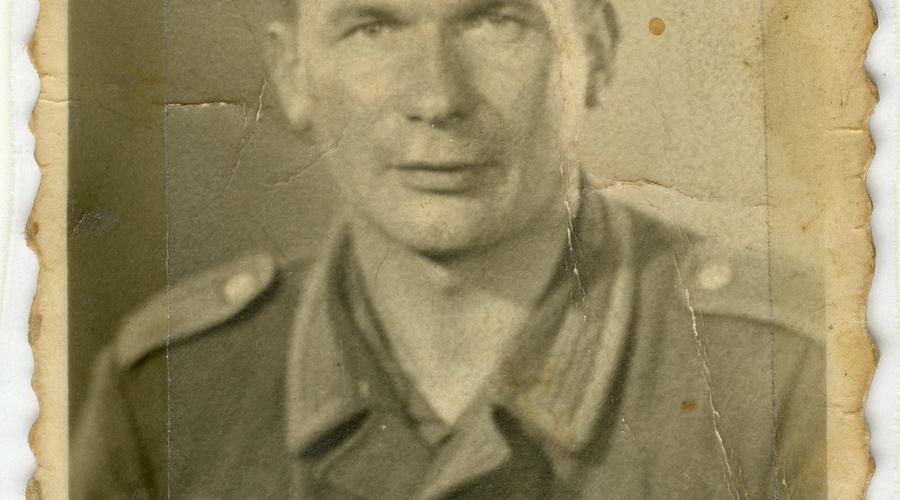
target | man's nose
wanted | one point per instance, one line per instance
(437, 93)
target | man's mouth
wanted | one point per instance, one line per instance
(442, 177)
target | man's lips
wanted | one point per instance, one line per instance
(450, 166)
(442, 177)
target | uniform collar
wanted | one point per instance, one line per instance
(556, 385)
(563, 395)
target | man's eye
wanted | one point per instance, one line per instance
(497, 28)
(499, 20)
(369, 29)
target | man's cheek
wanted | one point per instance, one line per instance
(515, 97)
(364, 84)
(343, 121)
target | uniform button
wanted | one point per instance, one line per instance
(714, 275)
(239, 288)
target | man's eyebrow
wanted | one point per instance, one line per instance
(361, 10)
(527, 7)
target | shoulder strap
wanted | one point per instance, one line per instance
(740, 283)
(192, 306)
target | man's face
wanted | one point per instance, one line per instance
(438, 118)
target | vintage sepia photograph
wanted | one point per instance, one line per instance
(452, 249)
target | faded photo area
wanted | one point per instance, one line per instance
(438, 249)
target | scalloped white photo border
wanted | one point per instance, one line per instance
(19, 176)
(883, 404)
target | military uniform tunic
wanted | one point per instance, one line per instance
(644, 372)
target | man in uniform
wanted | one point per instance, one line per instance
(481, 324)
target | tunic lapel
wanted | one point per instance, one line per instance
(473, 452)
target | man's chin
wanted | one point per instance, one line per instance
(441, 227)
(443, 246)
(442, 242)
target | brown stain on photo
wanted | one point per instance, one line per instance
(688, 405)
(657, 26)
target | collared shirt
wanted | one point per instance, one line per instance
(541, 327)
(539, 407)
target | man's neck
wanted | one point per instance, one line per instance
(514, 269)
(449, 319)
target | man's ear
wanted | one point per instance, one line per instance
(287, 73)
(601, 39)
